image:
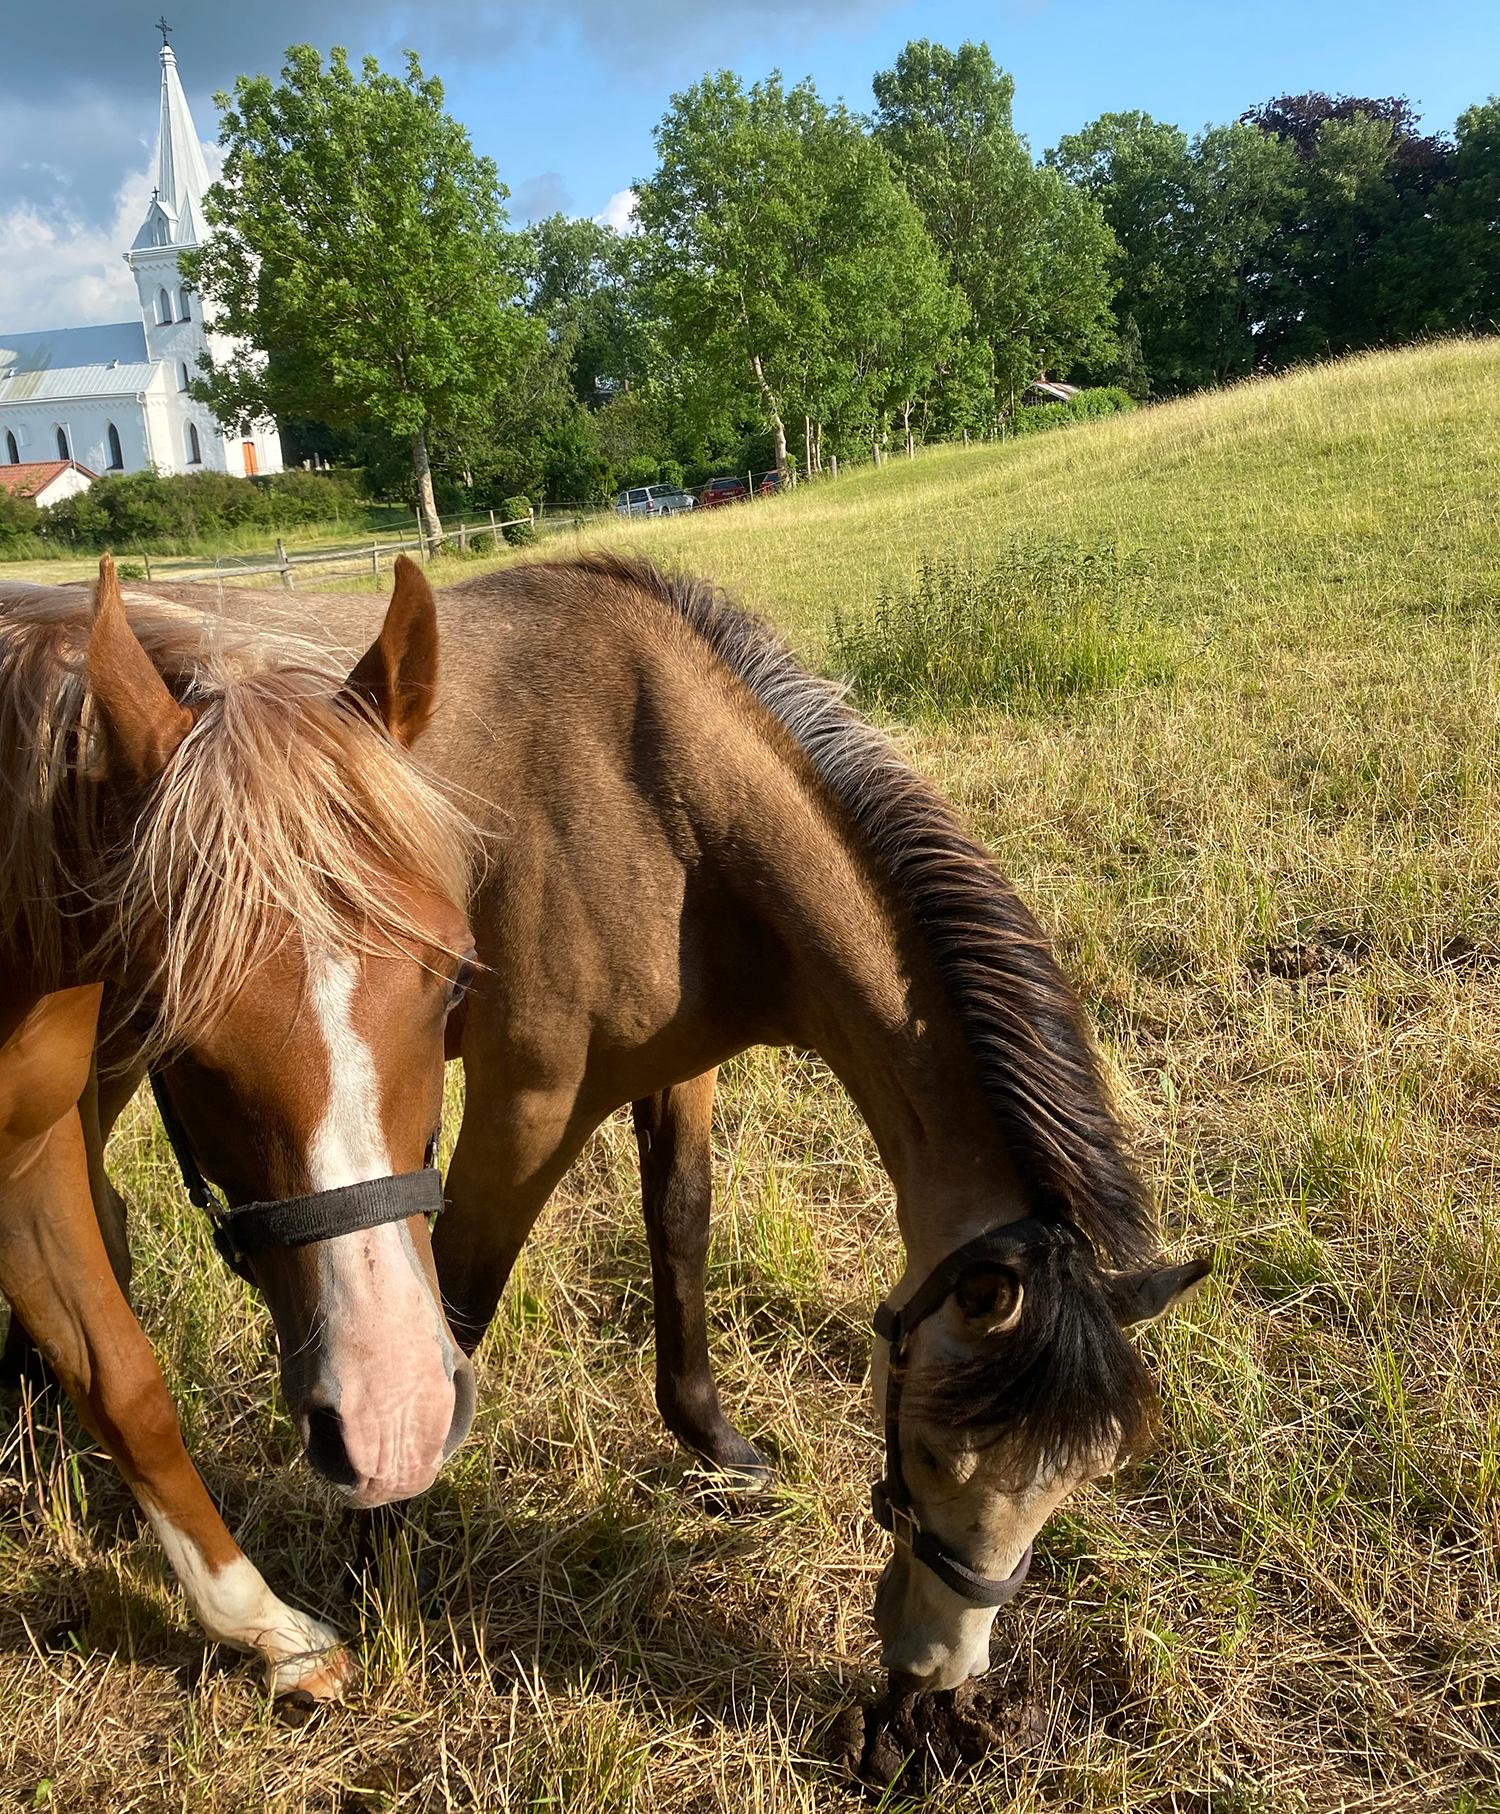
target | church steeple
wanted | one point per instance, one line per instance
(175, 217)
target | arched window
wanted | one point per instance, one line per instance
(184, 313)
(12, 451)
(116, 452)
(185, 377)
(163, 308)
(194, 450)
(63, 452)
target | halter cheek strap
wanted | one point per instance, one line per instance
(248, 1228)
(890, 1498)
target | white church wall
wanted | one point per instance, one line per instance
(86, 426)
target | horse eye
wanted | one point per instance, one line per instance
(462, 979)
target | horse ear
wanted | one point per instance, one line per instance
(143, 723)
(990, 1297)
(1139, 1297)
(397, 674)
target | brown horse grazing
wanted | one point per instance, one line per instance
(231, 834)
(699, 848)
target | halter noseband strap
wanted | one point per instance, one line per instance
(890, 1498)
(246, 1228)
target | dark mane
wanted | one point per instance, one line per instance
(1064, 1385)
(1036, 1063)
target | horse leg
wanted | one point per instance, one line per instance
(509, 1159)
(55, 1271)
(673, 1133)
(99, 1108)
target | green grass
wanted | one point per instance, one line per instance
(1273, 875)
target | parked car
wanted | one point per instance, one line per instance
(722, 491)
(770, 483)
(654, 500)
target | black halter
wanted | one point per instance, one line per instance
(245, 1228)
(890, 1498)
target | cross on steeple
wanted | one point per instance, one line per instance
(164, 29)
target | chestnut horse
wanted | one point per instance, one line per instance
(230, 833)
(698, 847)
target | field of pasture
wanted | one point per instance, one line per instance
(1238, 742)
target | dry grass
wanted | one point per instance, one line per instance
(1275, 880)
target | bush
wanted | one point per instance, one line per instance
(1086, 406)
(197, 510)
(516, 532)
(1045, 623)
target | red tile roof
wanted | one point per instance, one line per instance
(34, 476)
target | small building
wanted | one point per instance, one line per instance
(45, 482)
(115, 398)
(1048, 390)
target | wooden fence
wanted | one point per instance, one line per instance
(465, 536)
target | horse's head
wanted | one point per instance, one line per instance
(291, 898)
(1009, 1384)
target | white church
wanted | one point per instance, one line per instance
(115, 399)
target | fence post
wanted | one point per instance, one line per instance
(375, 561)
(284, 564)
(833, 464)
(531, 517)
(494, 531)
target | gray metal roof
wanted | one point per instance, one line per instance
(74, 362)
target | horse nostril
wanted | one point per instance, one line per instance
(325, 1448)
(463, 1408)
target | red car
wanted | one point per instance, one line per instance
(722, 491)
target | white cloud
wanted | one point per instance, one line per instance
(619, 211)
(57, 271)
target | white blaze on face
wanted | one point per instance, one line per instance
(349, 1144)
(385, 1351)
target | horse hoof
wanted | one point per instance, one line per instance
(302, 1687)
(726, 1487)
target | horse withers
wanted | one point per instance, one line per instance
(229, 830)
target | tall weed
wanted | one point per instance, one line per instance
(1042, 623)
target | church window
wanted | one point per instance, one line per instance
(194, 449)
(184, 313)
(11, 449)
(63, 452)
(116, 452)
(185, 379)
(163, 308)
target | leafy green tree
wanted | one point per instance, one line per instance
(784, 254)
(1193, 223)
(584, 286)
(1470, 215)
(359, 252)
(1030, 252)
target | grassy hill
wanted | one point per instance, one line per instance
(1271, 862)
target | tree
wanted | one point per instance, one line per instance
(583, 286)
(1470, 217)
(359, 251)
(1029, 251)
(1357, 261)
(784, 255)
(1193, 223)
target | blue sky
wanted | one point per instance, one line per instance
(563, 94)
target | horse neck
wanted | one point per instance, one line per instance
(859, 987)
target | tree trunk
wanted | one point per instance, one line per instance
(807, 447)
(773, 409)
(427, 515)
